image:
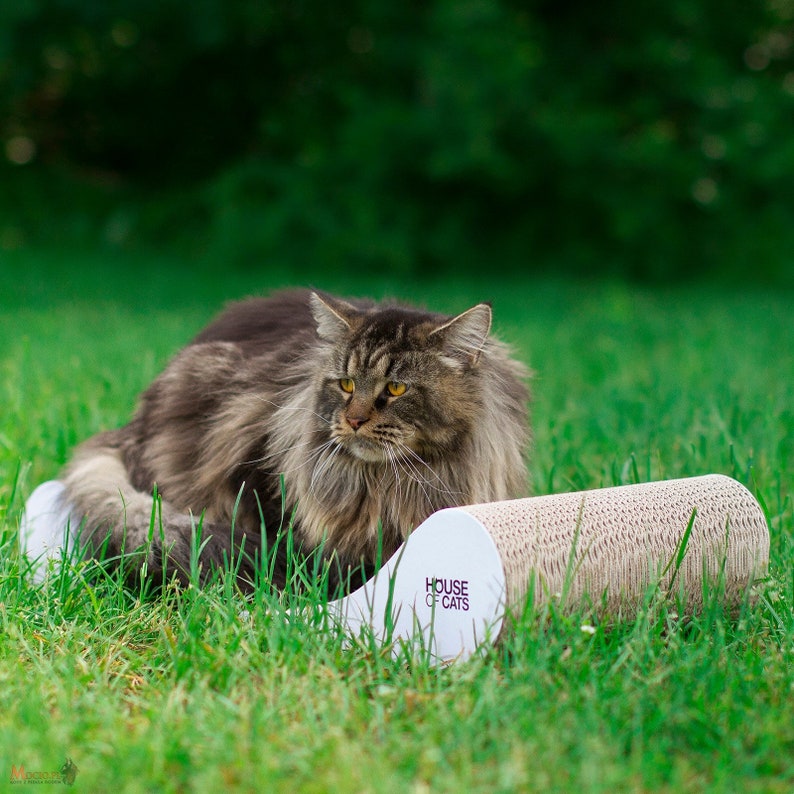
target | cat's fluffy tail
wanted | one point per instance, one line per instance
(116, 522)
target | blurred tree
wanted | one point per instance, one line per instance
(646, 141)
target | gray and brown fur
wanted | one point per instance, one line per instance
(256, 397)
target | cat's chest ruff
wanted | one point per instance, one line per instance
(349, 510)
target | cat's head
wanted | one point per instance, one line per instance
(399, 382)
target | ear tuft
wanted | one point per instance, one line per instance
(464, 336)
(333, 317)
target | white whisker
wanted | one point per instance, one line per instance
(402, 464)
(276, 453)
(282, 407)
(311, 457)
(411, 458)
(322, 464)
(392, 458)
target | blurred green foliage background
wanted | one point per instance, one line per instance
(651, 140)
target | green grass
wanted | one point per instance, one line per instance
(186, 694)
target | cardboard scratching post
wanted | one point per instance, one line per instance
(462, 570)
(459, 573)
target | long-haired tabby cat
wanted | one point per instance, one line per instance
(352, 421)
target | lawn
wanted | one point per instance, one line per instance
(199, 691)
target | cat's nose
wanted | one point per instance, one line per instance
(357, 421)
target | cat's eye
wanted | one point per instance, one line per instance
(396, 388)
(347, 385)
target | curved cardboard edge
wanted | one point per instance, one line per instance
(44, 528)
(443, 590)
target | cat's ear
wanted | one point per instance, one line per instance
(333, 317)
(463, 337)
